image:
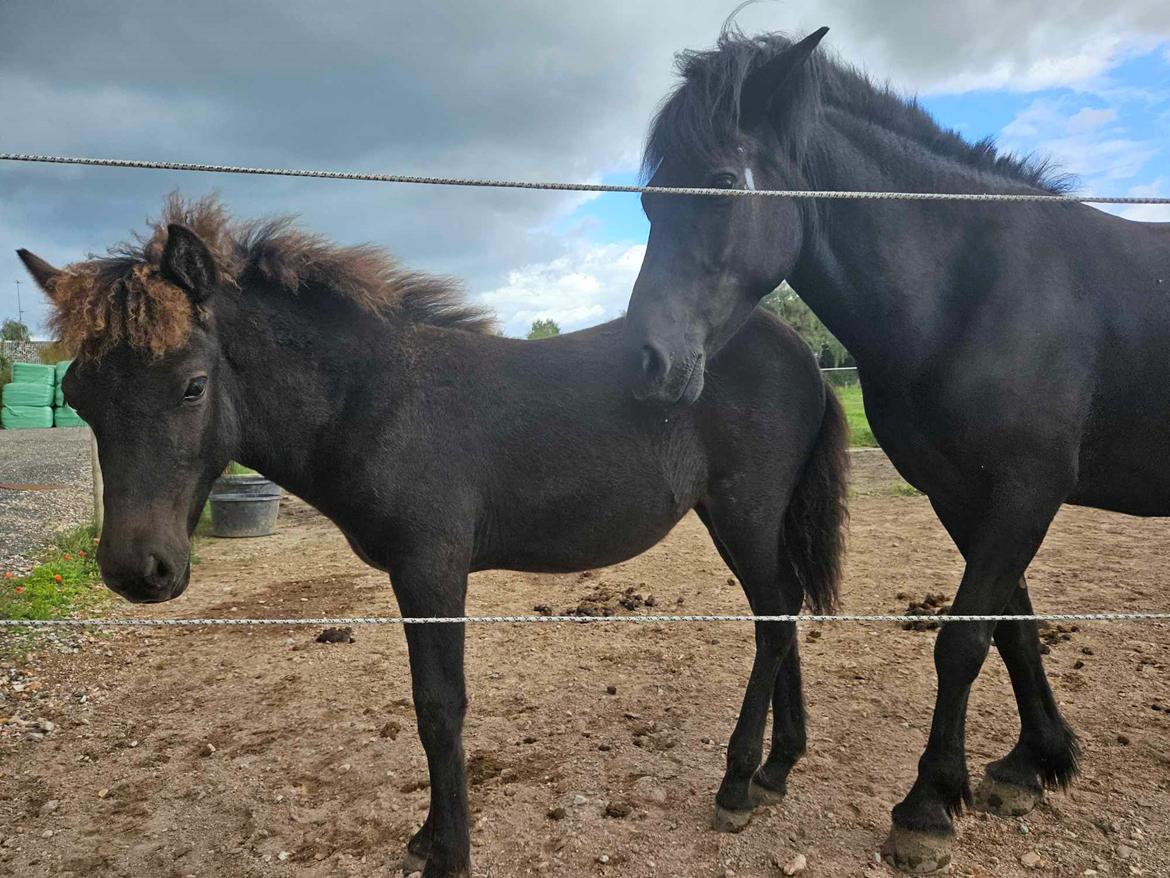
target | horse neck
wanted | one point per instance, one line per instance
(880, 274)
(294, 370)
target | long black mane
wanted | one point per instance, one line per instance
(701, 116)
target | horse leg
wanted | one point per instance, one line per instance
(789, 738)
(442, 847)
(1046, 754)
(769, 581)
(1000, 546)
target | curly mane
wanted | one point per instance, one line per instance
(123, 297)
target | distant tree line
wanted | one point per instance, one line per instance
(789, 307)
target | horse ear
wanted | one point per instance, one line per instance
(766, 83)
(43, 273)
(188, 264)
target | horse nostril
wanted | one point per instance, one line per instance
(655, 363)
(158, 571)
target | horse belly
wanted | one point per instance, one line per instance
(584, 531)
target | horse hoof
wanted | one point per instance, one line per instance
(412, 862)
(1006, 799)
(917, 853)
(730, 821)
(762, 795)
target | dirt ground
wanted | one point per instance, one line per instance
(249, 752)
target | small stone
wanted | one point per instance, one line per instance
(529, 739)
(103, 792)
(390, 730)
(557, 813)
(209, 749)
(1125, 852)
(283, 856)
(796, 865)
(48, 833)
(1078, 664)
(1123, 740)
(603, 859)
(1086, 650)
(1031, 860)
(579, 800)
(612, 690)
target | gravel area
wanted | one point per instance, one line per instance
(45, 487)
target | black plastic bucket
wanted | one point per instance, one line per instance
(244, 506)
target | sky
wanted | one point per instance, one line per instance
(513, 88)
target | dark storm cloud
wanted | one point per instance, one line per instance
(524, 89)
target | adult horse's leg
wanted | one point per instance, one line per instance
(759, 561)
(1001, 544)
(1046, 753)
(442, 847)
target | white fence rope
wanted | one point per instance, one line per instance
(574, 187)
(575, 620)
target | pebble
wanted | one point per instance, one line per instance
(283, 856)
(579, 800)
(1125, 852)
(612, 690)
(557, 813)
(796, 865)
(603, 859)
(1031, 860)
(103, 792)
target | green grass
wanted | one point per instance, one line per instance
(859, 432)
(65, 581)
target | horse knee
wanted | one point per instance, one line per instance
(960, 650)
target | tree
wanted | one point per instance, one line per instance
(544, 329)
(789, 307)
(14, 330)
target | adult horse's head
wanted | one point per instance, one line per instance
(150, 380)
(736, 122)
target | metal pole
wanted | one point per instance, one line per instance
(19, 309)
(99, 509)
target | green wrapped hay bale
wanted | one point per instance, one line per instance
(34, 373)
(61, 368)
(66, 416)
(23, 393)
(26, 417)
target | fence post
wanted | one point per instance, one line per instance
(99, 509)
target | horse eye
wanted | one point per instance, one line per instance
(724, 181)
(195, 389)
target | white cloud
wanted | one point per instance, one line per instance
(1081, 142)
(1090, 119)
(590, 283)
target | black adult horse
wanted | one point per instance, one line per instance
(1013, 356)
(439, 448)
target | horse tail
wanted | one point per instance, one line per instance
(814, 523)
